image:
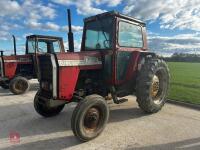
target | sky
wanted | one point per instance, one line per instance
(172, 25)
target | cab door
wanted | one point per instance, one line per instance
(129, 42)
(30, 50)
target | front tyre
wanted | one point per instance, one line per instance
(19, 85)
(43, 109)
(152, 85)
(90, 117)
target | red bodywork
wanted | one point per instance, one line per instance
(69, 70)
(11, 63)
(70, 65)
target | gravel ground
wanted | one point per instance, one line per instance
(174, 127)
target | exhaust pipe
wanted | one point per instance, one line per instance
(1, 53)
(14, 44)
(70, 33)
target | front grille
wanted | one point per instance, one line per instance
(45, 68)
(45, 73)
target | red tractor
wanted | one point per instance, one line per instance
(113, 61)
(16, 70)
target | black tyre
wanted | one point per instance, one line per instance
(43, 109)
(152, 85)
(19, 85)
(90, 117)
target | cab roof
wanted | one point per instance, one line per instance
(44, 36)
(117, 14)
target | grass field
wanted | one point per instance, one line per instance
(185, 82)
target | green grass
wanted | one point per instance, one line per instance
(185, 82)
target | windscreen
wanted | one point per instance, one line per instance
(44, 45)
(99, 34)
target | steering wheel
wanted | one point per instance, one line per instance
(106, 43)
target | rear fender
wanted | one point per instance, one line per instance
(143, 57)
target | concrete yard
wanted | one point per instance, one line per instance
(174, 127)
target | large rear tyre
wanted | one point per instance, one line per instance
(19, 85)
(89, 117)
(152, 85)
(45, 110)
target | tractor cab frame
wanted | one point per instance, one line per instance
(16, 70)
(121, 39)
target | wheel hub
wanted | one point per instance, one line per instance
(155, 86)
(92, 119)
(21, 85)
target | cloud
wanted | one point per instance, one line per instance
(74, 28)
(8, 7)
(77, 45)
(4, 35)
(52, 26)
(181, 43)
(85, 7)
(15, 15)
(30, 9)
(179, 14)
(88, 7)
(33, 24)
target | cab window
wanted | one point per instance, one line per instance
(31, 46)
(56, 46)
(99, 34)
(130, 35)
(42, 47)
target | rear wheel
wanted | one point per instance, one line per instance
(43, 109)
(19, 85)
(90, 117)
(152, 85)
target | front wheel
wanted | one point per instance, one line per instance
(152, 85)
(19, 85)
(90, 117)
(43, 109)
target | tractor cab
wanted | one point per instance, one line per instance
(22, 67)
(120, 39)
(38, 44)
(113, 31)
(41, 44)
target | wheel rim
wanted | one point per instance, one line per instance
(92, 119)
(21, 85)
(158, 87)
(154, 86)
